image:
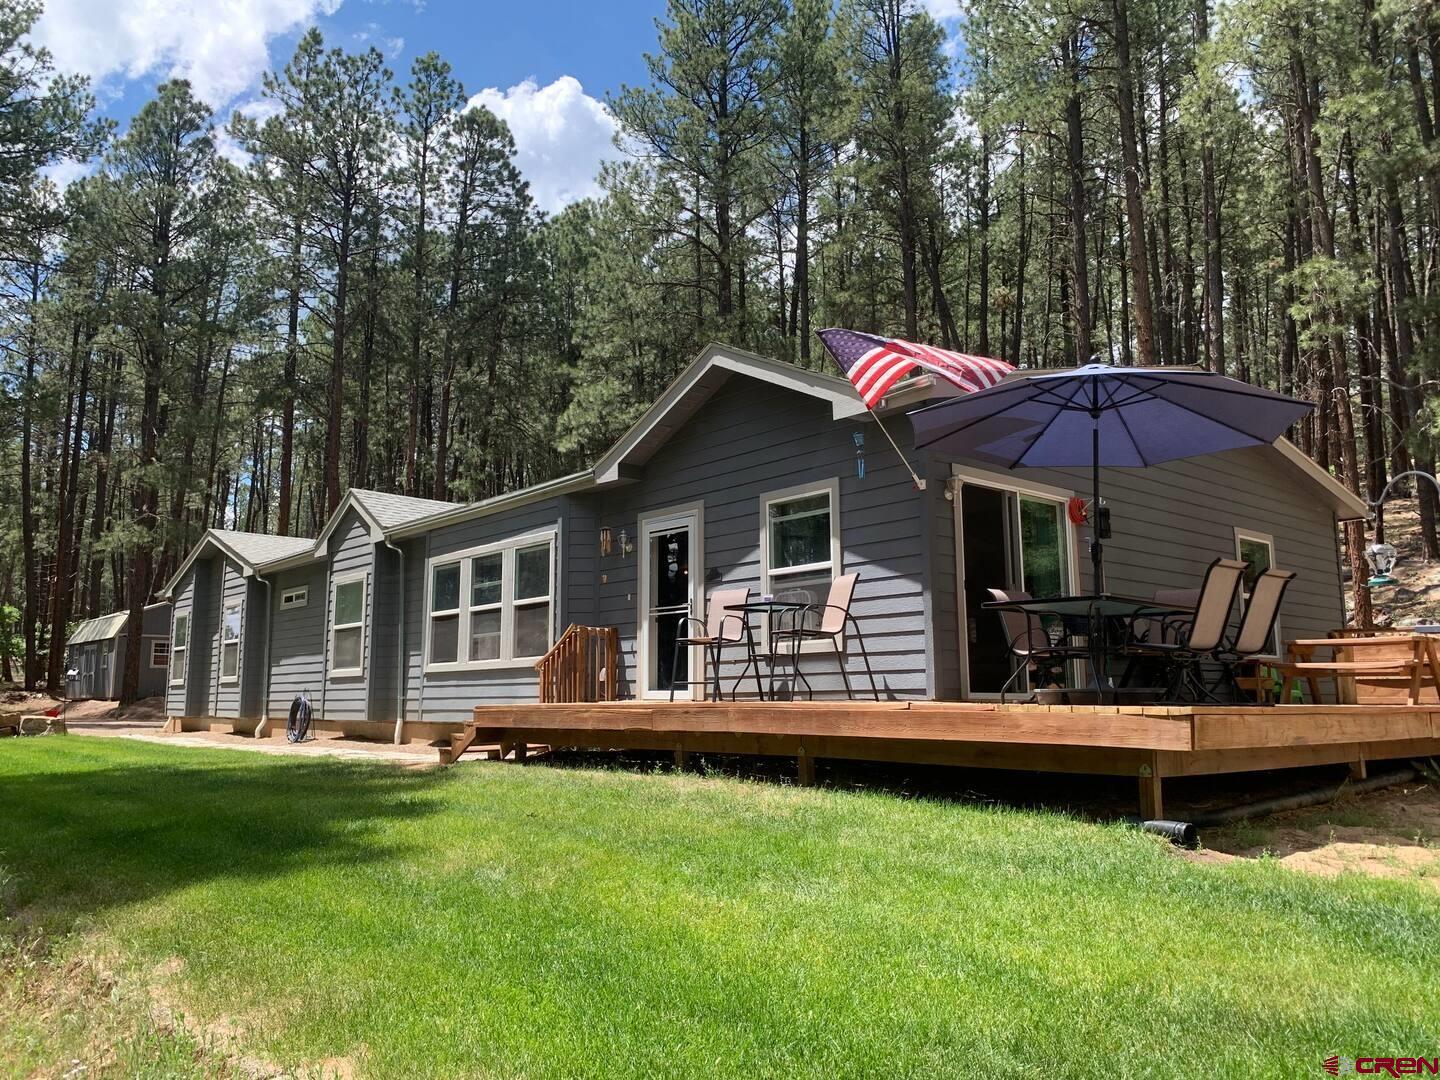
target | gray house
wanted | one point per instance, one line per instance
(96, 653)
(405, 613)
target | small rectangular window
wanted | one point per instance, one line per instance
(159, 653)
(294, 598)
(1257, 549)
(445, 614)
(347, 646)
(801, 543)
(532, 600)
(179, 642)
(230, 644)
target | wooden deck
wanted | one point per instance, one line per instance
(1146, 742)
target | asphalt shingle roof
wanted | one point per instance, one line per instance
(260, 548)
(392, 511)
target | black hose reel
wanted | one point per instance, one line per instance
(297, 726)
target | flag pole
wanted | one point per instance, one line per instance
(919, 481)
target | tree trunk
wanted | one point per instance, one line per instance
(1134, 199)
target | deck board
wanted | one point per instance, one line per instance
(1132, 740)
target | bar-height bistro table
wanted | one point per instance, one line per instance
(768, 607)
(1099, 614)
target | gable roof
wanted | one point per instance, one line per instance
(381, 511)
(249, 550)
(101, 628)
(693, 387)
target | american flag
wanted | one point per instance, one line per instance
(875, 364)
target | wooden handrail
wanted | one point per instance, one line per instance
(581, 666)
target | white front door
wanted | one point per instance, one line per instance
(672, 573)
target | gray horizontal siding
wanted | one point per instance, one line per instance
(176, 703)
(225, 698)
(346, 697)
(297, 652)
(751, 439)
(381, 670)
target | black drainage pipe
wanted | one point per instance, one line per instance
(1180, 833)
(1305, 798)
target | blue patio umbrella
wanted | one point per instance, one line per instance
(1113, 416)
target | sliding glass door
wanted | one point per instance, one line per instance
(1016, 539)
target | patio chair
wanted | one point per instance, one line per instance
(825, 622)
(1030, 646)
(1256, 626)
(1200, 637)
(1159, 628)
(721, 627)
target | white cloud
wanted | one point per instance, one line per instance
(66, 171)
(944, 10)
(221, 46)
(562, 134)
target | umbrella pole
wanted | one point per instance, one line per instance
(1097, 554)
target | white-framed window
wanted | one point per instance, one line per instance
(293, 598)
(347, 625)
(230, 644)
(159, 652)
(491, 606)
(179, 647)
(800, 550)
(1257, 549)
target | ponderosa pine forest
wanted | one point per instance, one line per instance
(228, 322)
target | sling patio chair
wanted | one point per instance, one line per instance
(1197, 638)
(1030, 645)
(722, 627)
(824, 622)
(1256, 626)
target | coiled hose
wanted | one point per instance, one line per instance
(297, 727)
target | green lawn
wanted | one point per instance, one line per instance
(503, 921)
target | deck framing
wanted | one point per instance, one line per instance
(1146, 742)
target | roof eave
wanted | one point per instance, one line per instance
(1347, 505)
(563, 485)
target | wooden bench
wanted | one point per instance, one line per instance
(1393, 665)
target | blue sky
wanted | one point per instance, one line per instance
(545, 67)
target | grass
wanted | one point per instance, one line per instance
(502, 921)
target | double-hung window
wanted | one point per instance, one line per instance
(800, 542)
(347, 626)
(1257, 549)
(491, 606)
(230, 644)
(179, 646)
(159, 653)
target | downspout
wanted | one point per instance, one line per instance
(260, 728)
(401, 658)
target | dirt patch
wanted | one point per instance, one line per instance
(1392, 833)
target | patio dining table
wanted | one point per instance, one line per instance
(769, 608)
(1099, 614)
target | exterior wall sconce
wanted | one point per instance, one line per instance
(609, 542)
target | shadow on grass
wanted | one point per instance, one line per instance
(86, 832)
